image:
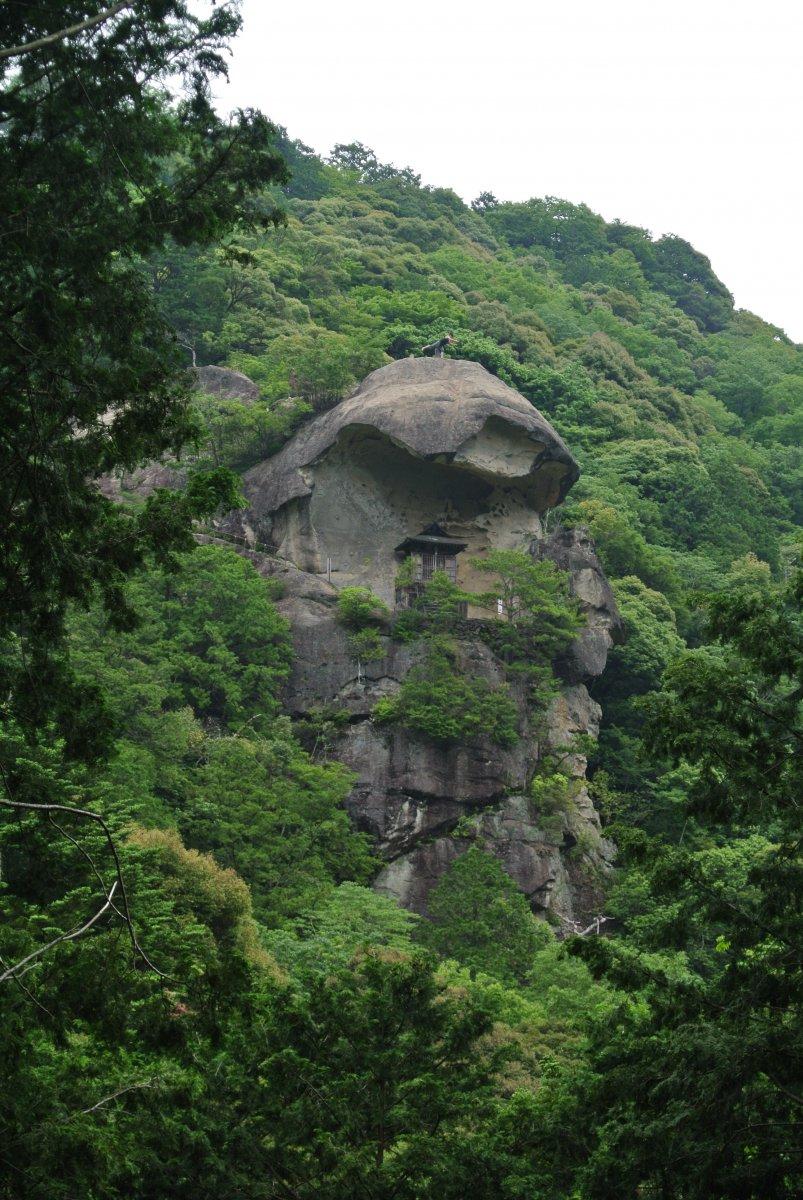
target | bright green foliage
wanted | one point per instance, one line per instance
(438, 609)
(351, 920)
(709, 1062)
(262, 807)
(480, 917)
(317, 365)
(363, 613)
(238, 435)
(194, 692)
(739, 708)
(358, 608)
(623, 550)
(650, 642)
(541, 619)
(438, 700)
(208, 633)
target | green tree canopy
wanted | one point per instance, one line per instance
(480, 917)
(99, 167)
(708, 1062)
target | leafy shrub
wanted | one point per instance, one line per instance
(358, 608)
(362, 612)
(366, 646)
(541, 617)
(239, 435)
(481, 918)
(438, 609)
(443, 704)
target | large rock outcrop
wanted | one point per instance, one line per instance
(420, 440)
(426, 443)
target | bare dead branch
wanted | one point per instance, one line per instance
(124, 912)
(572, 927)
(132, 1087)
(26, 991)
(16, 969)
(61, 34)
(88, 857)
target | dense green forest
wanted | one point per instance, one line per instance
(201, 995)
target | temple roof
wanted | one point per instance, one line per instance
(432, 538)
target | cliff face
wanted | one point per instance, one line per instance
(444, 442)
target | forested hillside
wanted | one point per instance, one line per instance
(201, 996)
(686, 417)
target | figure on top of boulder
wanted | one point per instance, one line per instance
(436, 349)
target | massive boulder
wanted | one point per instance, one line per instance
(441, 443)
(227, 384)
(419, 441)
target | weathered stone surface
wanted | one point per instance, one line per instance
(422, 804)
(424, 441)
(573, 551)
(561, 865)
(143, 481)
(228, 384)
(431, 407)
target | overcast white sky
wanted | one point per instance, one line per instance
(681, 117)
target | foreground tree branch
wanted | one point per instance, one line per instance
(59, 36)
(123, 912)
(25, 964)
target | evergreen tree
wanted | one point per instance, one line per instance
(367, 1083)
(99, 167)
(698, 1094)
(479, 916)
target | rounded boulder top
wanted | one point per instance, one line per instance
(448, 410)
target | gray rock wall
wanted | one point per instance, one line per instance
(423, 442)
(422, 804)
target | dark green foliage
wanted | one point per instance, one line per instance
(212, 633)
(369, 1082)
(278, 819)
(441, 702)
(739, 706)
(98, 1067)
(708, 1062)
(98, 168)
(480, 917)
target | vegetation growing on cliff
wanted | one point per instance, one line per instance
(441, 701)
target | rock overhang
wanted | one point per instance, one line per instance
(450, 412)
